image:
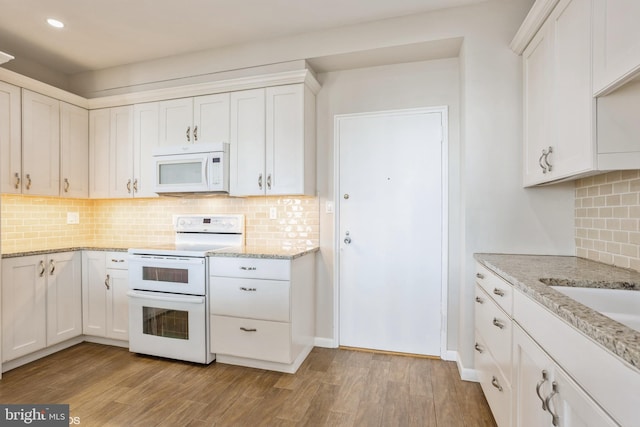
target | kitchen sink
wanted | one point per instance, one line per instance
(621, 305)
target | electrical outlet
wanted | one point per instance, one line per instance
(273, 213)
(73, 217)
(328, 207)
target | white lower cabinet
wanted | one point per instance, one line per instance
(105, 284)
(262, 311)
(545, 395)
(41, 302)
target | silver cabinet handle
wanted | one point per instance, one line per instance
(66, 185)
(28, 182)
(546, 158)
(479, 300)
(116, 260)
(248, 268)
(260, 181)
(52, 267)
(544, 168)
(195, 134)
(478, 348)
(135, 185)
(269, 182)
(188, 135)
(42, 269)
(129, 186)
(242, 328)
(17, 177)
(106, 282)
(545, 377)
(480, 275)
(495, 383)
(242, 288)
(498, 292)
(547, 402)
(498, 323)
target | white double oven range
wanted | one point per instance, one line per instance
(169, 288)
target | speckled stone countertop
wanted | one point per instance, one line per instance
(525, 271)
(261, 252)
(242, 252)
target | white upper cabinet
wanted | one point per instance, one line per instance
(99, 136)
(145, 139)
(273, 141)
(40, 144)
(10, 139)
(616, 43)
(74, 151)
(559, 111)
(202, 119)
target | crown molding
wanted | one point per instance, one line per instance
(539, 12)
(16, 79)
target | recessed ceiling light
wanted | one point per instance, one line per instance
(55, 23)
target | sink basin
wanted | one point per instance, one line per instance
(618, 304)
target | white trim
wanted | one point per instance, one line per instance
(42, 88)
(539, 12)
(31, 357)
(221, 86)
(106, 341)
(444, 111)
(289, 368)
(466, 374)
(325, 342)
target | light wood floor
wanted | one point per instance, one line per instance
(108, 386)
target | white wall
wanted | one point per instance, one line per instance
(410, 85)
(495, 213)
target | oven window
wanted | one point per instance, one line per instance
(159, 274)
(165, 323)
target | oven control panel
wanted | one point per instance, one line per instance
(214, 223)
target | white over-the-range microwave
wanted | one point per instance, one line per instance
(194, 168)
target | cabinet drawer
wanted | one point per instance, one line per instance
(496, 287)
(496, 328)
(117, 260)
(496, 389)
(254, 339)
(250, 298)
(250, 268)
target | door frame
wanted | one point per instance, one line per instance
(444, 286)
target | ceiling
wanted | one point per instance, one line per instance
(100, 34)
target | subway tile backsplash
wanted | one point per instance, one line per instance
(607, 218)
(33, 223)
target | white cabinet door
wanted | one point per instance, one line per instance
(74, 151)
(616, 42)
(121, 152)
(285, 140)
(23, 306)
(211, 118)
(176, 119)
(99, 152)
(574, 105)
(118, 305)
(40, 144)
(247, 165)
(10, 139)
(145, 139)
(64, 296)
(94, 293)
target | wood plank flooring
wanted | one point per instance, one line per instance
(108, 386)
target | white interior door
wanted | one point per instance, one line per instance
(390, 224)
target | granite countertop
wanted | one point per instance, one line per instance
(525, 271)
(242, 252)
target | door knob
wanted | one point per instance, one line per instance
(347, 239)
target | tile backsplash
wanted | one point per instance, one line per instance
(607, 214)
(32, 223)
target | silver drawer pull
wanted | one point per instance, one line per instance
(248, 268)
(479, 300)
(480, 275)
(545, 377)
(116, 260)
(495, 383)
(498, 323)
(498, 292)
(478, 348)
(242, 328)
(554, 390)
(242, 288)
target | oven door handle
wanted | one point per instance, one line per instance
(152, 261)
(189, 299)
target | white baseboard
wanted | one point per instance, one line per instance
(106, 341)
(325, 342)
(449, 355)
(32, 357)
(466, 374)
